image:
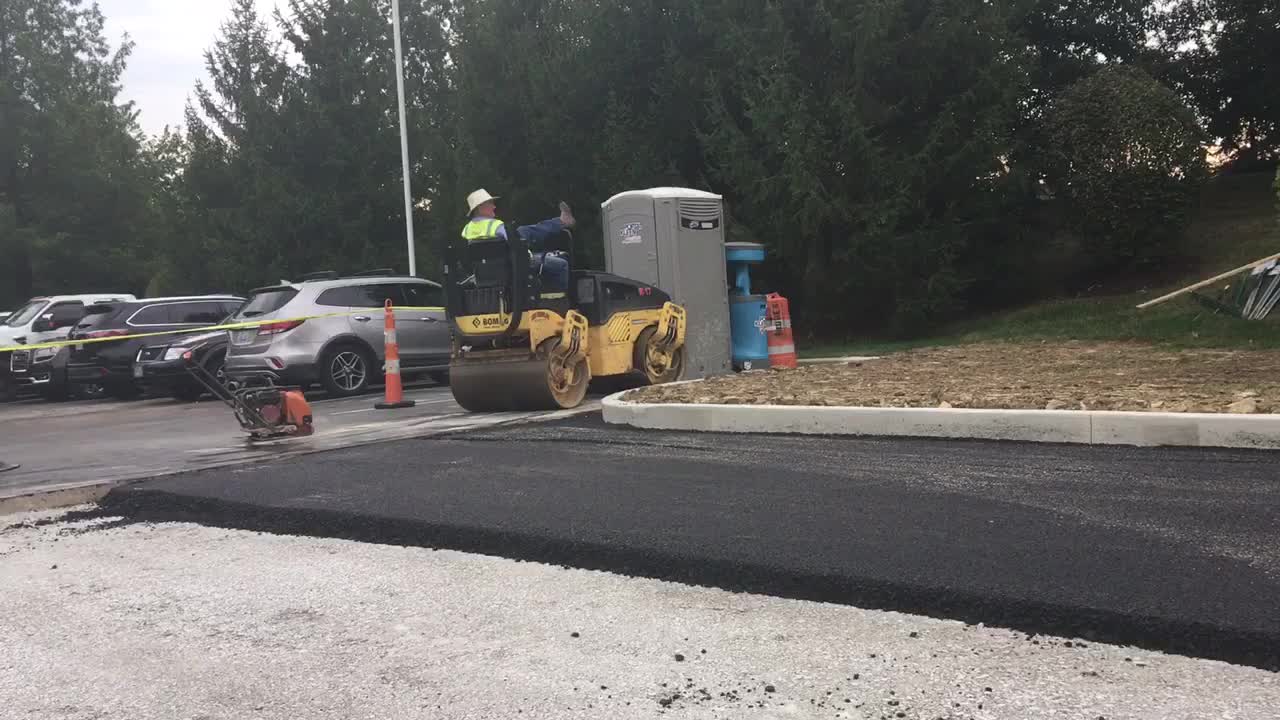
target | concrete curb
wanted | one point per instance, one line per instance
(53, 499)
(1051, 426)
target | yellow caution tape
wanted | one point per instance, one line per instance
(210, 328)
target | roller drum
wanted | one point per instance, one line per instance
(497, 386)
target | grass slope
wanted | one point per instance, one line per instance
(1236, 223)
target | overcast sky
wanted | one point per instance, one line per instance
(170, 37)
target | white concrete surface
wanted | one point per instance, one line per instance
(1059, 426)
(181, 621)
(837, 360)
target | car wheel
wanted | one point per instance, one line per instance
(217, 367)
(124, 391)
(346, 370)
(91, 391)
(55, 393)
(8, 391)
(187, 391)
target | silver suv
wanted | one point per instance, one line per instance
(344, 352)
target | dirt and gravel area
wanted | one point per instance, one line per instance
(1052, 376)
(147, 621)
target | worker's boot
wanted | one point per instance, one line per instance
(566, 215)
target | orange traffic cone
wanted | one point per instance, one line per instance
(395, 389)
(782, 347)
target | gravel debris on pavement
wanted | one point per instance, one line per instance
(171, 620)
(1029, 376)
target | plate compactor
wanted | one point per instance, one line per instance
(264, 411)
(516, 347)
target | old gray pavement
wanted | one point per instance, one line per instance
(85, 443)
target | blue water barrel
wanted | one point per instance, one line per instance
(750, 346)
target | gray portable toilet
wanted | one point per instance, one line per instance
(673, 238)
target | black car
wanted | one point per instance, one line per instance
(111, 364)
(164, 364)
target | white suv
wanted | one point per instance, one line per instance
(46, 319)
(40, 320)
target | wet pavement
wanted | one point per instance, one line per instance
(60, 446)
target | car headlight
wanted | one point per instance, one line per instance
(40, 354)
(174, 353)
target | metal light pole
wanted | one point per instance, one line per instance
(404, 139)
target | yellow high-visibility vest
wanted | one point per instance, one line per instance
(481, 229)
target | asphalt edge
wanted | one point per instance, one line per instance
(1255, 648)
(1082, 427)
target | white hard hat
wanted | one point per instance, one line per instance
(478, 198)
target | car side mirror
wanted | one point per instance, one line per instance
(44, 324)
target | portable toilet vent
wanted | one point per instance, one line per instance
(673, 238)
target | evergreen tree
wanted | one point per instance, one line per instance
(864, 140)
(345, 130)
(235, 185)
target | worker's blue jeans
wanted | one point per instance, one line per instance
(555, 270)
(538, 235)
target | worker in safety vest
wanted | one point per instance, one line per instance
(485, 225)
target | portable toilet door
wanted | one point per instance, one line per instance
(631, 238)
(673, 238)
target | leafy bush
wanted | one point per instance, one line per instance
(1125, 153)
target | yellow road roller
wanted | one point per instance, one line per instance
(516, 347)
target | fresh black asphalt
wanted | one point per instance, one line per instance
(1172, 549)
